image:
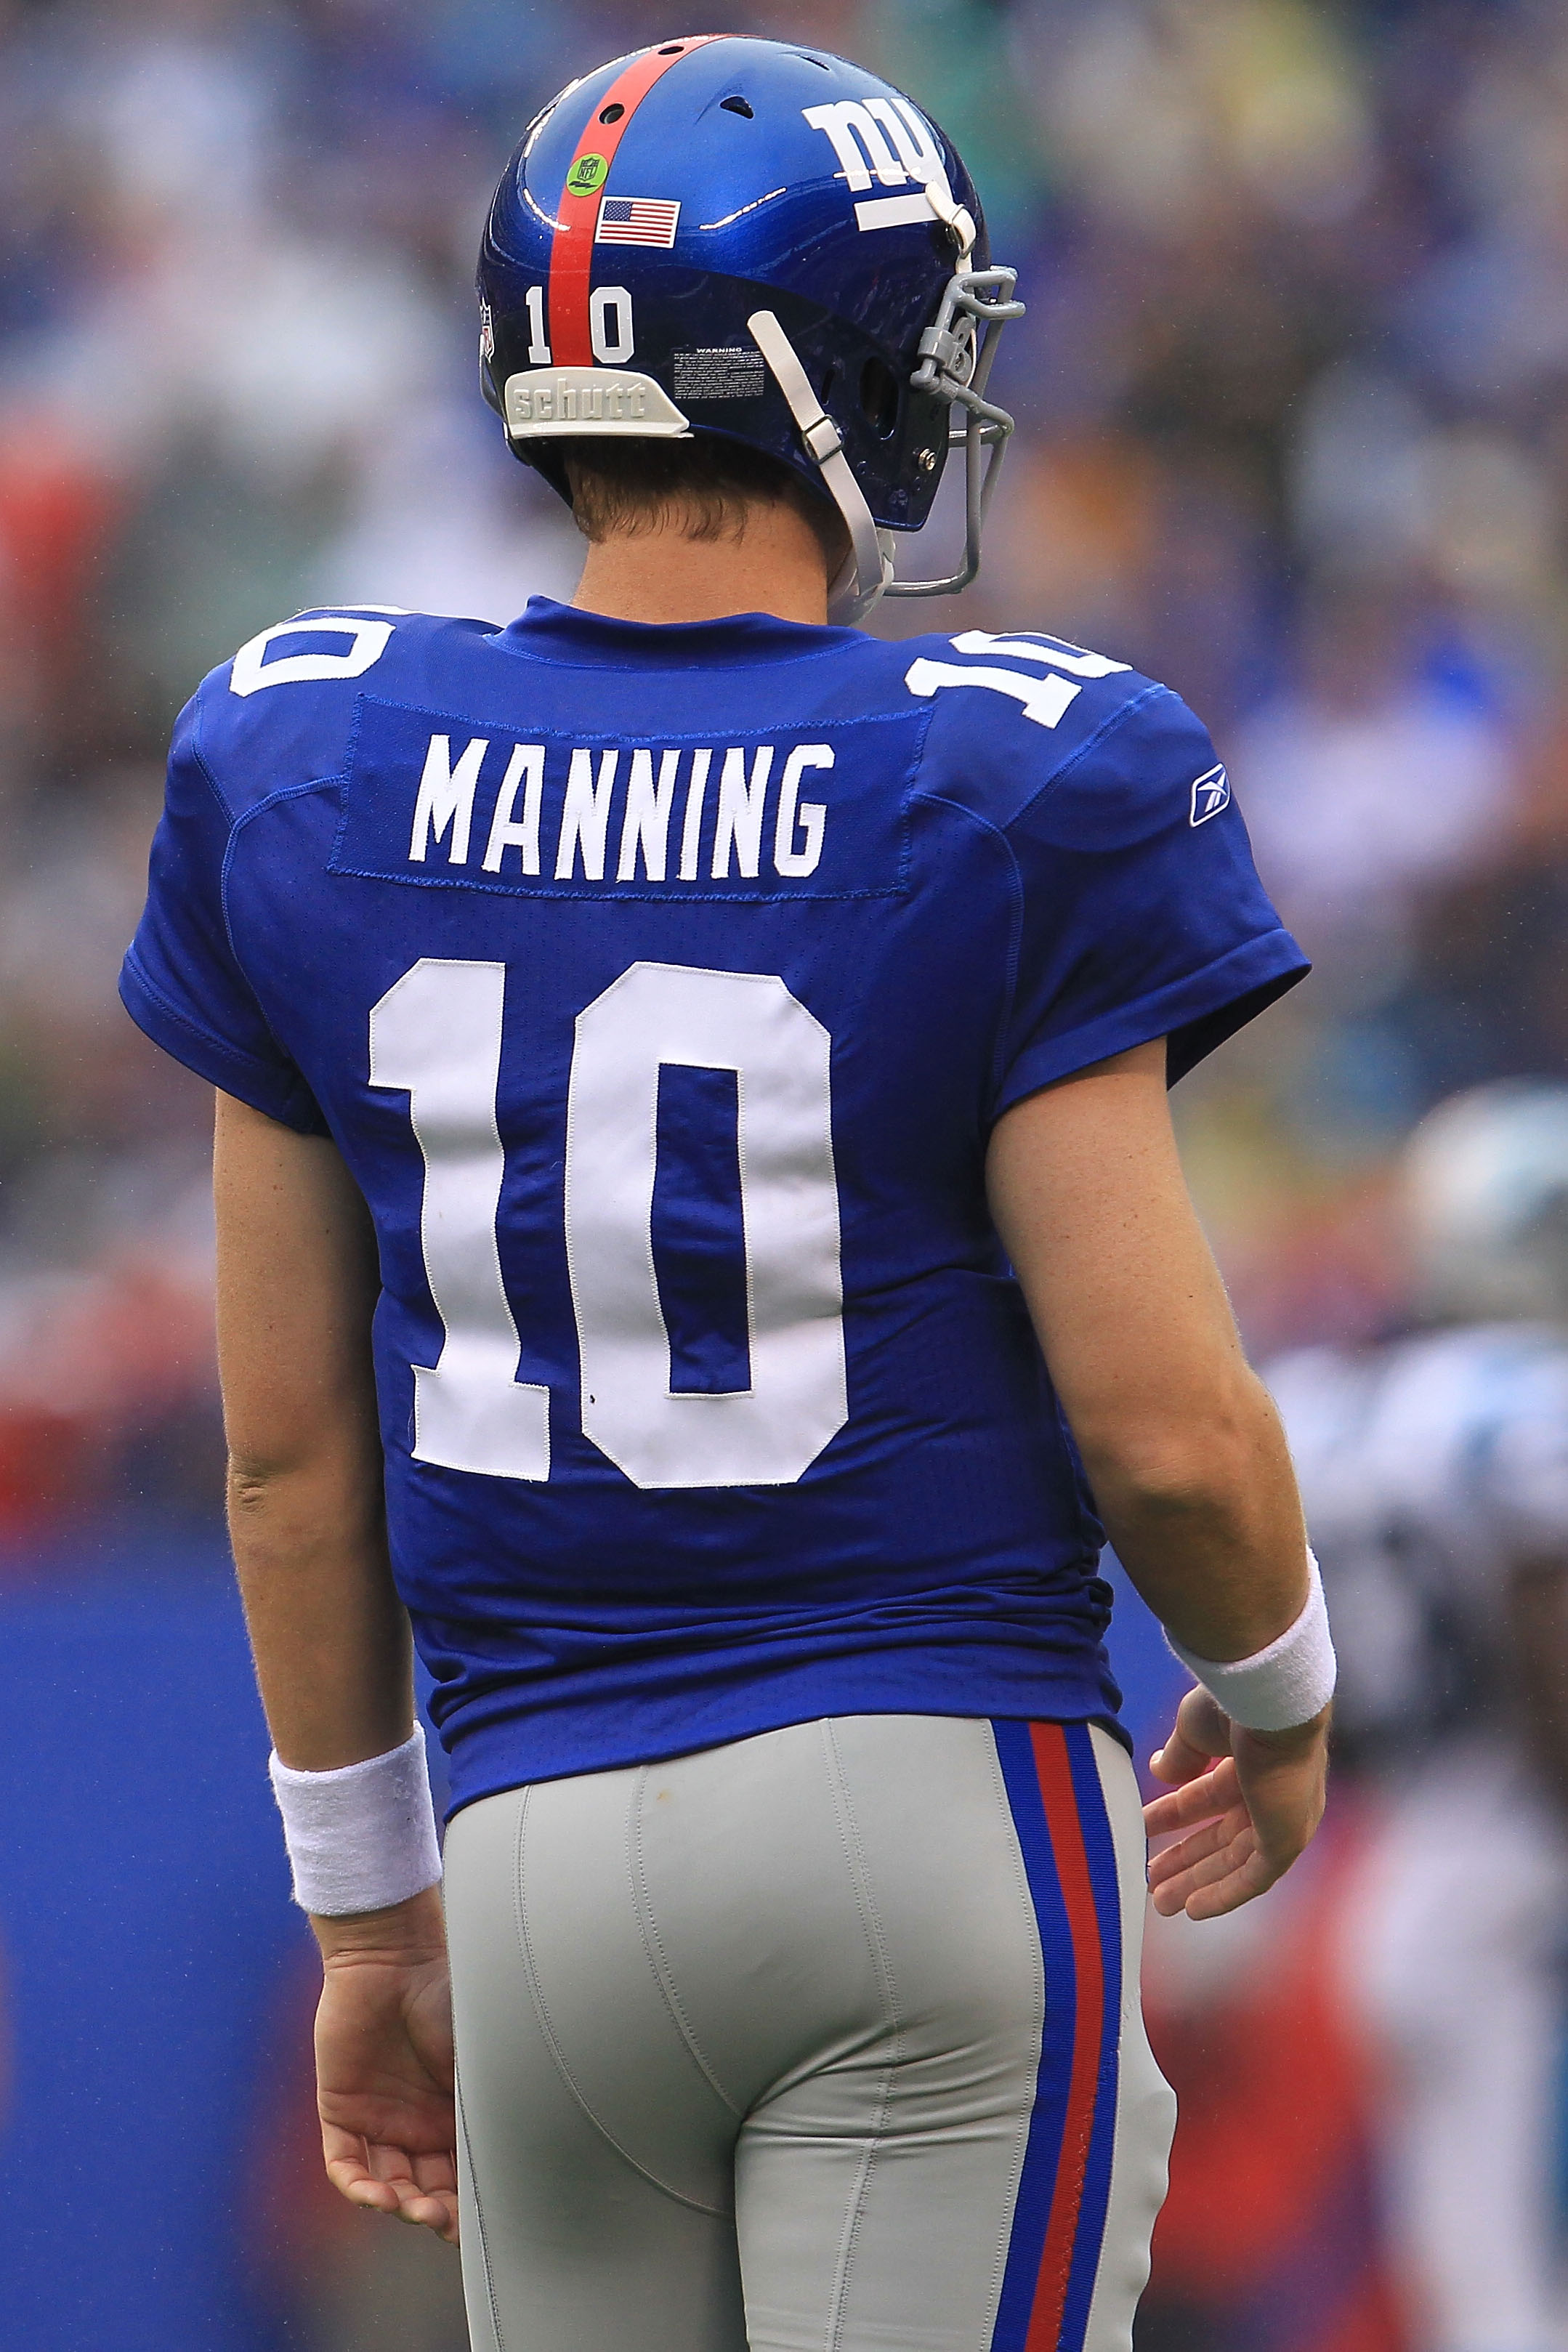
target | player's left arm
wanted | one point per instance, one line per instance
(297, 1285)
(1183, 1447)
(1536, 1606)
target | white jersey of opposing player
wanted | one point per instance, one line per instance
(1429, 1468)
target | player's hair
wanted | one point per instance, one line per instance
(702, 487)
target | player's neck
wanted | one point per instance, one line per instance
(775, 564)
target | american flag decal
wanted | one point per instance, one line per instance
(637, 220)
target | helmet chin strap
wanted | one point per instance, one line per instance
(953, 215)
(869, 565)
(972, 298)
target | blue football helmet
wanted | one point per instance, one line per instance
(741, 238)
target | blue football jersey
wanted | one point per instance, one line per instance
(661, 986)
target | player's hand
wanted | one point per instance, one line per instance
(383, 2063)
(1243, 1803)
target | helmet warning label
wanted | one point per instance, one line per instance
(720, 372)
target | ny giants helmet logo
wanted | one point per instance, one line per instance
(888, 137)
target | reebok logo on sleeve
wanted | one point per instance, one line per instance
(1211, 793)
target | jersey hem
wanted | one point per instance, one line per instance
(487, 1761)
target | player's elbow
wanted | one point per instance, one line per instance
(1184, 1467)
(327, 1467)
(260, 1475)
(253, 1482)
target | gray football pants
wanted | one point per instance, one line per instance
(826, 2041)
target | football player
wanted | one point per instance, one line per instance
(1435, 1474)
(685, 1070)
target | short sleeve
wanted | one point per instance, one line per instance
(1142, 915)
(181, 981)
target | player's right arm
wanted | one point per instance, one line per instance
(1181, 1445)
(296, 1289)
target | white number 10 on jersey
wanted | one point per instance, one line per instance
(436, 1036)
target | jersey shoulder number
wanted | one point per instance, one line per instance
(1100, 755)
(282, 712)
(1044, 676)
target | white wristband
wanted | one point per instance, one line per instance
(363, 1836)
(1285, 1684)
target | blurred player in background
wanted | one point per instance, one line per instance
(649, 1036)
(1435, 1475)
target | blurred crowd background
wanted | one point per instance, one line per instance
(1292, 436)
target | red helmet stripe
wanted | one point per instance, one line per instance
(577, 217)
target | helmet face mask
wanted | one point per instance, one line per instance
(662, 204)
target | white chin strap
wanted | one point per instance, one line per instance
(867, 571)
(869, 565)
